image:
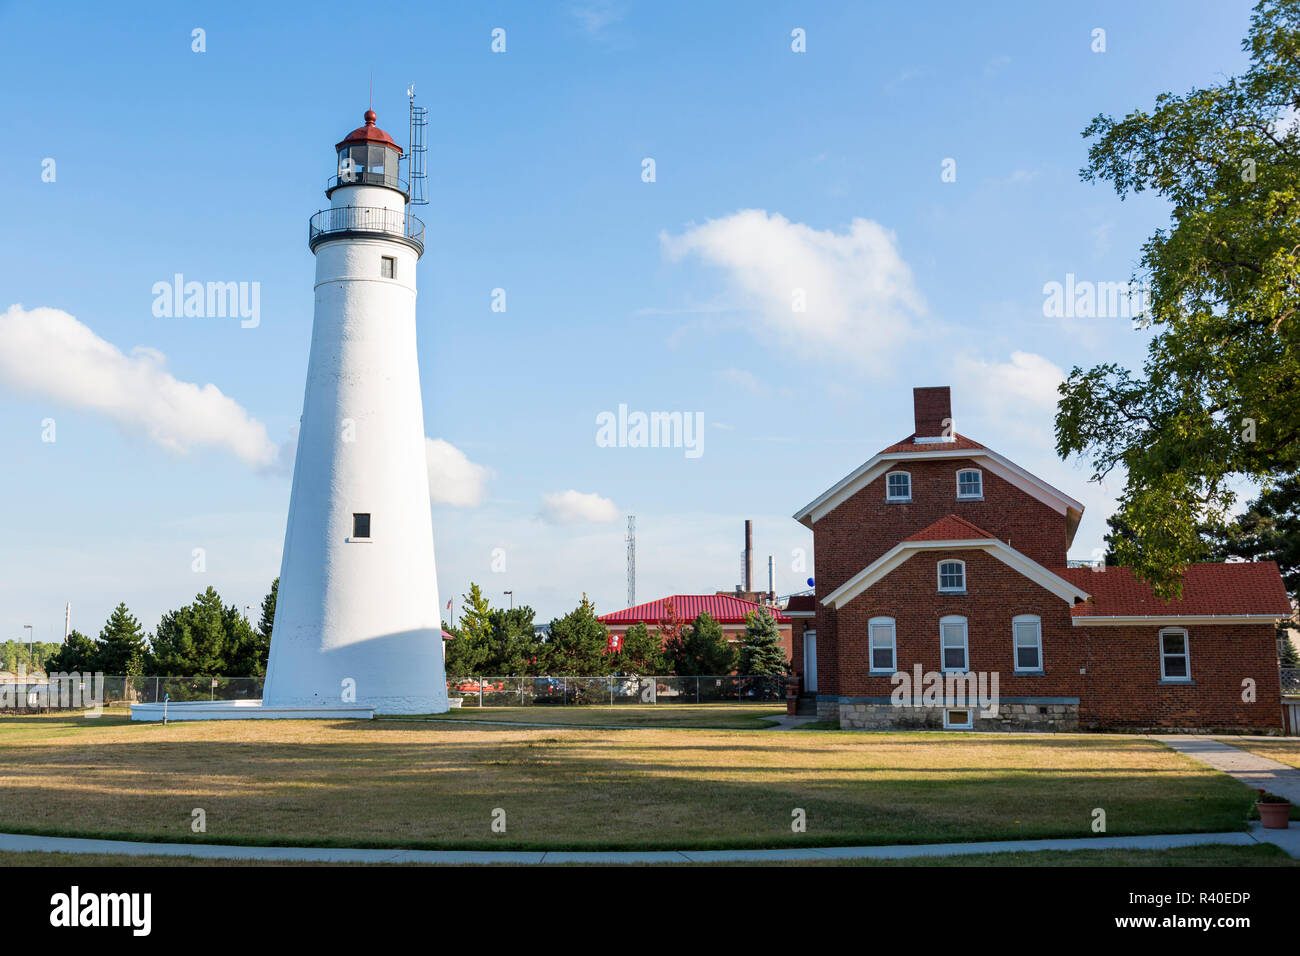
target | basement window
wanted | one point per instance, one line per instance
(388, 267)
(958, 719)
(361, 525)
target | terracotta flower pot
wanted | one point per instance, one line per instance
(1275, 816)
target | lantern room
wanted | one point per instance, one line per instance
(368, 157)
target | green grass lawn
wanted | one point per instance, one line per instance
(436, 784)
(715, 716)
(1260, 855)
(1282, 749)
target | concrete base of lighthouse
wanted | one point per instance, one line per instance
(244, 710)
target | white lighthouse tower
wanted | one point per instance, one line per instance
(357, 613)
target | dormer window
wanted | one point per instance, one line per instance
(970, 484)
(898, 486)
(952, 577)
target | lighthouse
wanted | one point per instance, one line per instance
(357, 614)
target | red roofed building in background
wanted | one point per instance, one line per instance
(728, 610)
(940, 556)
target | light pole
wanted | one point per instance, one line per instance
(512, 598)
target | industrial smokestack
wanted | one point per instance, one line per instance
(749, 556)
(67, 622)
(771, 577)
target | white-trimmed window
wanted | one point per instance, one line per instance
(883, 645)
(970, 484)
(1027, 635)
(952, 577)
(953, 651)
(959, 719)
(1175, 663)
(388, 267)
(898, 486)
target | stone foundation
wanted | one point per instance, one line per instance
(1047, 716)
(828, 708)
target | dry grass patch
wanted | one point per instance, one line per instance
(436, 784)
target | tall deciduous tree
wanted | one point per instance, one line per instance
(1216, 398)
(641, 652)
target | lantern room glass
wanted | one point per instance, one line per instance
(370, 164)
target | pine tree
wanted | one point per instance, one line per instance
(761, 651)
(641, 653)
(705, 649)
(78, 653)
(577, 643)
(205, 638)
(120, 638)
(511, 646)
(467, 652)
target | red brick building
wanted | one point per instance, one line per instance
(726, 609)
(941, 569)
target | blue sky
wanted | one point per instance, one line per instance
(663, 295)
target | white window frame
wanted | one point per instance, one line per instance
(939, 576)
(874, 623)
(968, 471)
(970, 719)
(965, 644)
(1186, 655)
(1015, 642)
(889, 494)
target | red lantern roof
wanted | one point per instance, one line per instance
(370, 133)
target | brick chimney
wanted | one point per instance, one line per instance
(933, 409)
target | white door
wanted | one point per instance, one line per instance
(810, 661)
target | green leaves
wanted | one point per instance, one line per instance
(1218, 397)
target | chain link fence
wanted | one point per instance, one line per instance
(614, 690)
(64, 692)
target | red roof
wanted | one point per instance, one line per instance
(1246, 587)
(909, 446)
(950, 528)
(723, 608)
(801, 604)
(370, 133)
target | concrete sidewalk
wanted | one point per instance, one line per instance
(1251, 769)
(25, 843)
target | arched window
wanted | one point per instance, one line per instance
(883, 644)
(952, 577)
(970, 484)
(898, 486)
(953, 649)
(1027, 638)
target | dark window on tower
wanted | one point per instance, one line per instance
(388, 267)
(361, 525)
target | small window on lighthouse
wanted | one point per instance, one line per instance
(388, 267)
(361, 525)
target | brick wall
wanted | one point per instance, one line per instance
(1119, 687)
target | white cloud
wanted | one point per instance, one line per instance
(48, 353)
(575, 507)
(453, 478)
(1019, 395)
(858, 297)
(596, 15)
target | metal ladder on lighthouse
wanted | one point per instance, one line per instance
(417, 156)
